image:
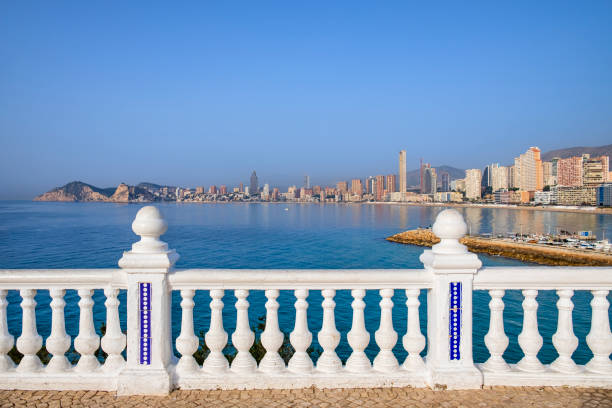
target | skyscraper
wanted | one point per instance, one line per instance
(528, 170)
(391, 183)
(370, 185)
(445, 181)
(307, 181)
(430, 180)
(254, 189)
(356, 187)
(379, 185)
(473, 181)
(497, 177)
(569, 172)
(402, 171)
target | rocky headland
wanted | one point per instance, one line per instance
(78, 191)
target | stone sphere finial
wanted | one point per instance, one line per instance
(449, 227)
(150, 225)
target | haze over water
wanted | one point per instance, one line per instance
(266, 235)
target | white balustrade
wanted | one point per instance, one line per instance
(6, 340)
(564, 339)
(216, 337)
(329, 336)
(113, 342)
(58, 342)
(187, 342)
(530, 339)
(243, 337)
(413, 341)
(301, 337)
(599, 338)
(30, 341)
(358, 337)
(450, 270)
(496, 339)
(87, 342)
(385, 336)
(272, 338)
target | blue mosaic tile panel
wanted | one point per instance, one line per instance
(455, 320)
(144, 289)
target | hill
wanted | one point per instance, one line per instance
(578, 151)
(413, 176)
(79, 191)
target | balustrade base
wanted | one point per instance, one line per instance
(460, 378)
(289, 380)
(144, 382)
(549, 377)
(68, 381)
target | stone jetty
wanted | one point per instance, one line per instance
(536, 253)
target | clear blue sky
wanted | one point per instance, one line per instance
(199, 93)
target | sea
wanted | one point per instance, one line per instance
(47, 235)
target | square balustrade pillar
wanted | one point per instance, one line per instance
(449, 306)
(149, 335)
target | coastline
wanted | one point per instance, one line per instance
(541, 254)
(555, 208)
(585, 210)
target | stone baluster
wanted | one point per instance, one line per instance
(243, 337)
(272, 338)
(301, 337)
(114, 340)
(530, 339)
(6, 340)
(216, 337)
(329, 336)
(30, 341)
(564, 339)
(413, 340)
(496, 339)
(358, 337)
(58, 342)
(599, 338)
(187, 342)
(87, 342)
(385, 336)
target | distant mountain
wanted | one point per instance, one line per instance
(79, 191)
(149, 186)
(414, 178)
(577, 151)
(76, 191)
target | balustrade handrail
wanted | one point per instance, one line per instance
(544, 278)
(262, 279)
(62, 278)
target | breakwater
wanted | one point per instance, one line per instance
(537, 253)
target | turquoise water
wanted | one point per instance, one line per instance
(305, 236)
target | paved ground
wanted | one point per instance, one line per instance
(376, 397)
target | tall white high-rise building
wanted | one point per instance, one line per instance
(498, 176)
(473, 179)
(402, 171)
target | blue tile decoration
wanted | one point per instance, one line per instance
(455, 320)
(145, 322)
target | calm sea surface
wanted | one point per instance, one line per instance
(305, 236)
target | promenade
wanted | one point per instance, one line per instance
(310, 397)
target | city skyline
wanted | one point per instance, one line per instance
(108, 94)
